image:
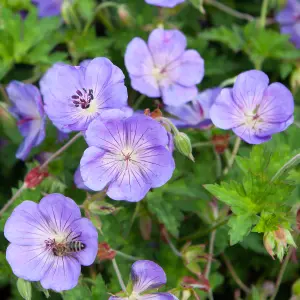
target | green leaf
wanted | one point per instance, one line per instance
(78, 293)
(240, 226)
(99, 291)
(234, 195)
(269, 222)
(230, 37)
(24, 288)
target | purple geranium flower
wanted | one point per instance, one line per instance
(74, 96)
(164, 3)
(147, 275)
(195, 115)
(50, 241)
(289, 20)
(128, 157)
(28, 110)
(253, 109)
(163, 68)
(48, 8)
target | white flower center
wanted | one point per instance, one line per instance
(158, 74)
(252, 118)
(134, 296)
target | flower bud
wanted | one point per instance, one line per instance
(24, 288)
(101, 208)
(295, 80)
(124, 15)
(193, 256)
(183, 145)
(66, 12)
(277, 242)
(296, 288)
(35, 177)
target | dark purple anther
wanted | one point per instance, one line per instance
(83, 99)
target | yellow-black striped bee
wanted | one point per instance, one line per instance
(62, 249)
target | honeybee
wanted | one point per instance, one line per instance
(62, 249)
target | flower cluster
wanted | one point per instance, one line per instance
(129, 153)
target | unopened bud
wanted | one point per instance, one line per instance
(295, 80)
(24, 288)
(277, 242)
(65, 11)
(296, 288)
(101, 208)
(183, 145)
(35, 177)
(193, 256)
(124, 14)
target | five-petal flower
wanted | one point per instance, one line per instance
(50, 241)
(74, 96)
(253, 109)
(127, 157)
(163, 68)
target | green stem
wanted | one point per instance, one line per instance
(129, 257)
(202, 233)
(229, 10)
(12, 199)
(234, 153)
(74, 18)
(97, 10)
(210, 253)
(118, 273)
(290, 164)
(227, 82)
(4, 94)
(172, 246)
(138, 102)
(234, 275)
(169, 123)
(202, 144)
(263, 14)
(62, 149)
(281, 273)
